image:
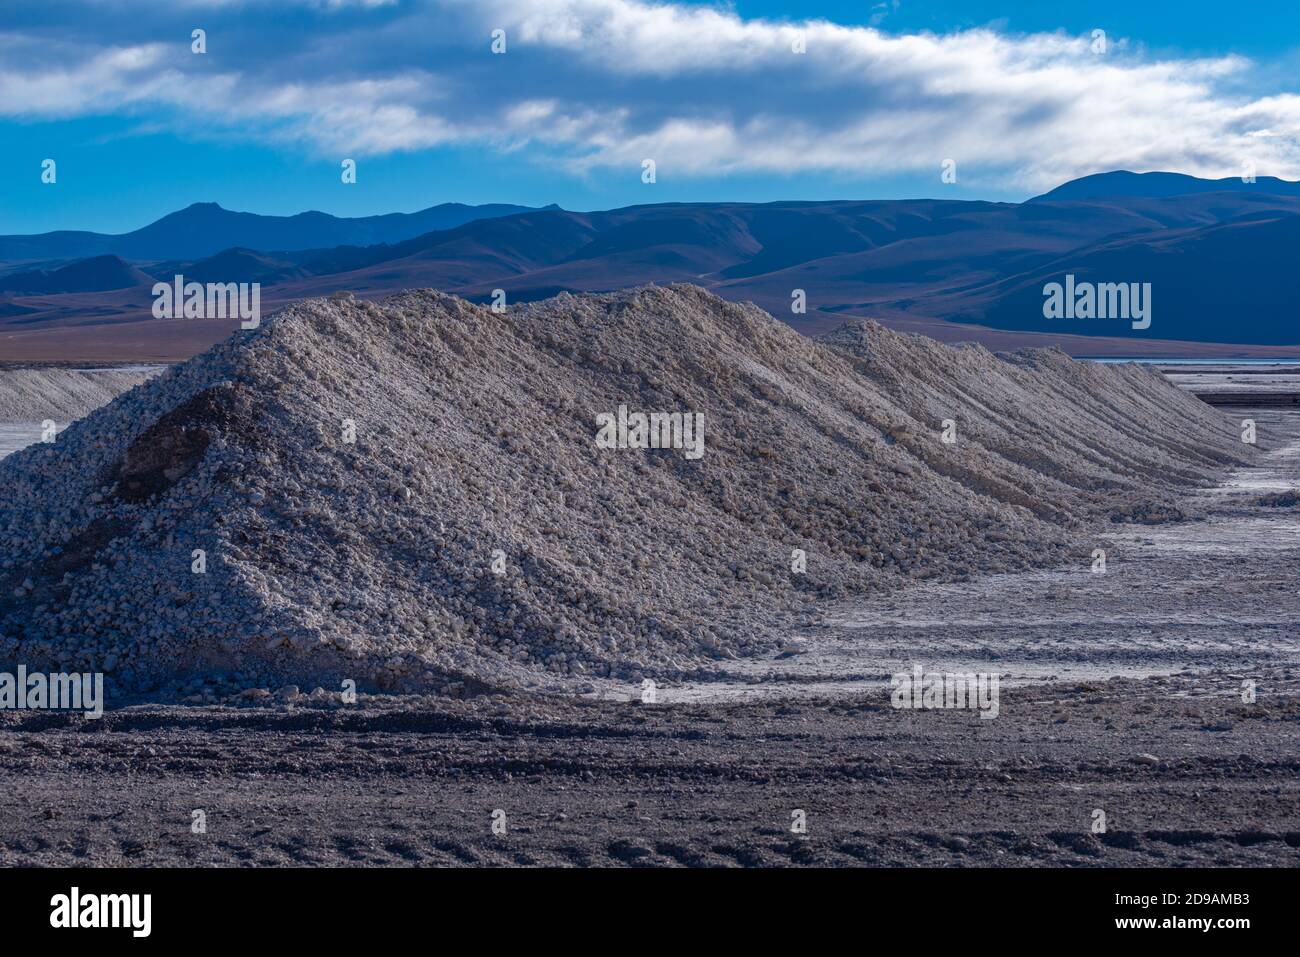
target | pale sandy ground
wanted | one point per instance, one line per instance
(1278, 378)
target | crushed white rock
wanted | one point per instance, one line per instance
(474, 535)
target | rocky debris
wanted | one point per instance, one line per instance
(394, 780)
(409, 494)
(1147, 513)
(171, 448)
(1279, 499)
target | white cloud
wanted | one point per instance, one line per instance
(608, 83)
(97, 79)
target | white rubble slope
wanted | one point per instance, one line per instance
(328, 559)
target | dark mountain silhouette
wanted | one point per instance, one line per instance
(605, 250)
(1124, 183)
(1230, 282)
(231, 265)
(495, 247)
(205, 229)
(99, 274)
(1216, 256)
(11, 310)
(948, 260)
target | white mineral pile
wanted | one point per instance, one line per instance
(411, 494)
(1035, 428)
(60, 395)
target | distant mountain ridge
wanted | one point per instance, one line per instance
(204, 229)
(1216, 253)
(97, 274)
(231, 265)
(1162, 185)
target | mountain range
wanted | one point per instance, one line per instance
(203, 229)
(1215, 253)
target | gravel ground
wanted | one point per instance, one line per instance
(1185, 774)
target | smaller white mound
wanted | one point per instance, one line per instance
(34, 395)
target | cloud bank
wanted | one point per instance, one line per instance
(590, 85)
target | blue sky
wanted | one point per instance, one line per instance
(1181, 26)
(1018, 94)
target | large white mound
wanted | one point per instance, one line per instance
(475, 439)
